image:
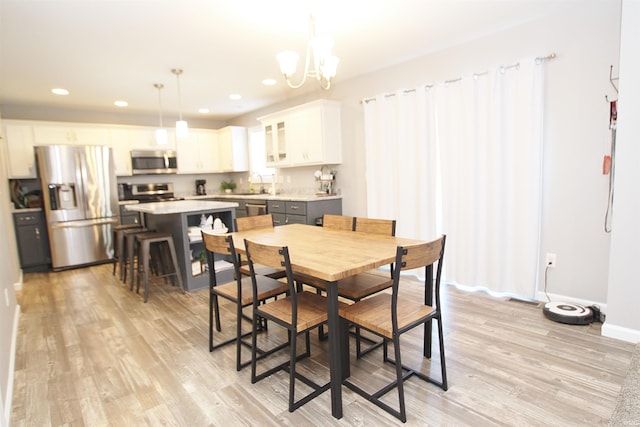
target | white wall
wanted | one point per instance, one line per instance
(586, 42)
(10, 276)
(623, 296)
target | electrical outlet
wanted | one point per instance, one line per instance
(551, 259)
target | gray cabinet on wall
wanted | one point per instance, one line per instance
(33, 241)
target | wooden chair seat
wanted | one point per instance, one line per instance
(312, 310)
(267, 288)
(375, 314)
(354, 288)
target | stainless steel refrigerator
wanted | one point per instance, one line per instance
(80, 203)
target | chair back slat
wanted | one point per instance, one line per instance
(425, 255)
(221, 244)
(217, 243)
(385, 227)
(268, 255)
(253, 222)
(338, 222)
(422, 255)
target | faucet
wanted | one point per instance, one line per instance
(262, 190)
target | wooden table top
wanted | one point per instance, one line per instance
(325, 253)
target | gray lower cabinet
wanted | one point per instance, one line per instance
(241, 210)
(306, 212)
(128, 217)
(33, 241)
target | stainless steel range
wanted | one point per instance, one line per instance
(145, 193)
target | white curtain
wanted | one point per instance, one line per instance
(487, 133)
(402, 162)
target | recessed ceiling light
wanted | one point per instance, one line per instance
(269, 82)
(203, 111)
(235, 96)
(121, 104)
(60, 91)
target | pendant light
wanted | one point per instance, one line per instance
(182, 129)
(161, 132)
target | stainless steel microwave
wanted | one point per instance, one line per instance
(153, 162)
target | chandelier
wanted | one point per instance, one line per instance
(319, 62)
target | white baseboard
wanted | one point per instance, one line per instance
(12, 364)
(18, 285)
(620, 333)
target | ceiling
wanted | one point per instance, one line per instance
(108, 50)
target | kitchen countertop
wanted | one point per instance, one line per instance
(26, 210)
(179, 206)
(282, 197)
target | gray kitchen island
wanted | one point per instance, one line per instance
(180, 216)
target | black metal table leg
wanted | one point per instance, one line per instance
(335, 349)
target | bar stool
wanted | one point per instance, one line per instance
(130, 253)
(145, 242)
(119, 254)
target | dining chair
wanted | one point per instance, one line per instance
(360, 286)
(391, 315)
(338, 222)
(238, 291)
(299, 312)
(252, 223)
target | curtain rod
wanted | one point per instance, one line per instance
(538, 60)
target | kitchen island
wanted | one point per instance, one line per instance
(177, 218)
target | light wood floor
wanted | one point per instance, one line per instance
(91, 353)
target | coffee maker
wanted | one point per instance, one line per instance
(200, 190)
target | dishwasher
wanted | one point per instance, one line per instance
(254, 209)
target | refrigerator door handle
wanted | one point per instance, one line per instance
(84, 223)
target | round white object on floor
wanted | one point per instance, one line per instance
(571, 314)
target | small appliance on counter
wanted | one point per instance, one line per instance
(200, 187)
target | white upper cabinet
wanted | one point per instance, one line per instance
(309, 134)
(121, 148)
(18, 141)
(275, 139)
(70, 134)
(204, 151)
(233, 154)
(198, 152)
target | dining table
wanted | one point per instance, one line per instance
(329, 255)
